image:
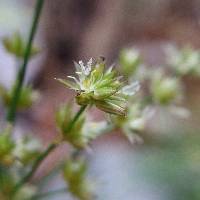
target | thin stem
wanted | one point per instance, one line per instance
(50, 193)
(50, 148)
(78, 114)
(36, 164)
(21, 74)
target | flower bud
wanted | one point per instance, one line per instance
(83, 131)
(74, 173)
(185, 61)
(132, 124)
(27, 97)
(25, 192)
(27, 148)
(164, 89)
(129, 60)
(17, 46)
(6, 147)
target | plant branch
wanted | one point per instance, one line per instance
(35, 166)
(50, 193)
(42, 156)
(21, 74)
(78, 114)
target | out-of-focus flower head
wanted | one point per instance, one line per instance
(133, 124)
(8, 180)
(7, 146)
(165, 90)
(27, 97)
(83, 131)
(185, 61)
(129, 60)
(74, 173)
(26, 192)
(27, 148)
(17, 46)
(100, 87)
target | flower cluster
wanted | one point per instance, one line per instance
(164, 90)
(78, 136)
(28, 96)
(16, 46)
(185, 61)
(132, 124)
(7, 146)
(74, 173)
(129, 60)
(16, 156)
(100, 87)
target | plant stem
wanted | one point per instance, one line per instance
(50, 193)
(42, 156)
(35, 166)
(75, 119)
(21, 74)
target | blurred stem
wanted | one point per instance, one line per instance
(78, 114)
(50, 193)
(21, 74)
(35, 166)
(42, 156)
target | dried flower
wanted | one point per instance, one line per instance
(100, 87)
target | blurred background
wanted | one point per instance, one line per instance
(167, 165)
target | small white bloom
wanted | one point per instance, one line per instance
(131, 89)
(86, 69)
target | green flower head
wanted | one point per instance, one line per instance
(16, 46)
(83, 132)
(184, 61)
(165, 90)
(27, 98)
(75, 175)
(129, 60)
(100, 87)
(6, 147)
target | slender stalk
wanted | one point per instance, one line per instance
(49, 149)
(50, 193)
(35, 166)
(75, 118)
(21, 74)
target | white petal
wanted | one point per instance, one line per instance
(131, 89)
(89, 67)
(89, 63)
(77, 66)
(110, 69)
(75, 79)
(82, 65)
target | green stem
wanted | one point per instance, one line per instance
(40, 158)
(75, 119)
(35, 166)
(21, 74)
(50, 193)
